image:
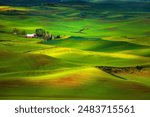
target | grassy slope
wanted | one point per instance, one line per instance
(65, 68)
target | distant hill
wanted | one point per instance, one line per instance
(96, 1)
(26, 2)
(113, 4)
(40, 2)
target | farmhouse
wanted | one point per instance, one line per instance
(30, 35)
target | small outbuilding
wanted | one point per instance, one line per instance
(30, 35)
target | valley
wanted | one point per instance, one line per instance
(96, 41)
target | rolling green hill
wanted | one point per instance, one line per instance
(103, 53)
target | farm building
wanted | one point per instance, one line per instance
(30, 35)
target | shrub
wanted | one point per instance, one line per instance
(23, 32)
(16, 31)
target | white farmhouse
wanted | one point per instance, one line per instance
(30, 35)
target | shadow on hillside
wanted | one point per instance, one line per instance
(116, 75)
(115, 70)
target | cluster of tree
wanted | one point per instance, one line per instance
(41, 33)
(110, 69)
(17, 31)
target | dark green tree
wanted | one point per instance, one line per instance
(40, 33)
(23, 32)
(47, 36)
(58, 36)
(16, 31)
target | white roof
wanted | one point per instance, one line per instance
(30, 35)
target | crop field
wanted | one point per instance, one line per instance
(102, 53)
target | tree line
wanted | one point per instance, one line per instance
(40, 33)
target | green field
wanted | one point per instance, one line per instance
(66, 68)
